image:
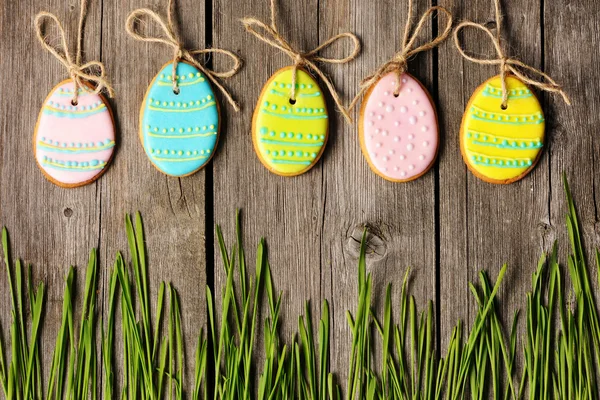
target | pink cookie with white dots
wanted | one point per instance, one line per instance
(399, 134)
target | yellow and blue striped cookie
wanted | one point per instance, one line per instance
(289, 136)
(501, 145)
(179, 130)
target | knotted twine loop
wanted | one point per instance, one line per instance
(270, 35)
(507, 64)
(180, 53)
(399, 63)
(92, 71)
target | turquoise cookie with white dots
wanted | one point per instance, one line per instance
(179, 130)
(289, 135)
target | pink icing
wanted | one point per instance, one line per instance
(400, 134)
(89, 130)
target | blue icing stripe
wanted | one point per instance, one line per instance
(186, 132)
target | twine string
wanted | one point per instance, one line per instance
(171, 38)
(399, 62)
(270, 35)
(92, 71)
(508, 65)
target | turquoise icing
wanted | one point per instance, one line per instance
(184, 131)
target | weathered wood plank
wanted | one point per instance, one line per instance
(50, 227)
(401, 215)
(483, 226)
(173, 209)
(571, 42)
(288, 211)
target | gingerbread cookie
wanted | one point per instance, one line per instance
(289, 136)
(74, 143)
(179, 129)
(501, 145)
(398, 134)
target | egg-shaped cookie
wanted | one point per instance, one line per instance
(74, 143)
(289, 136)
(179, 128)
(501, 145)
(398, 129)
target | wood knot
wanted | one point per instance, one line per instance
(68, 212)
(376, 248)
(548, 235)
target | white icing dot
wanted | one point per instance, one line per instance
(378, 145)
(396, 138)
(403, 109)
(422, 114)
(377, 130)
(415, 102)
(396, 168)
(425, 143)
(381, 104)
(409, 90)
(424, 128)
(389, 108)
(397, 123)
(374, 155)
(385, 170)
(402, 157)
(411, 136)
(371, 123)
(410, 146)
(412, 120)
(391, 152)
(394, 83)
(380, 117)
(402, 173)
(372, 114)
(384, 133)
(386, 93)
(421, 157)
(411, 167)
(404, 80)
(371, 136)
(385, 158)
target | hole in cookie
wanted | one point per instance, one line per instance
(176, 91)
(68, 212)
(503, 107)
(396, 94)
(292, 101)
(74, 103)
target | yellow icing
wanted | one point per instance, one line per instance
(289, 138)
(501, 144)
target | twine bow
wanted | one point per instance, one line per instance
(399, 63)
(171, 38)
(92, 71)
(270, 35)
(507, 64)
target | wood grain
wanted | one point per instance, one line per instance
(173, 209)
(446, 225)
(50, 227)
(483, 226)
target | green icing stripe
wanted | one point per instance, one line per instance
(182, 110)
(290, 162)
(181, 136)
(181, 83)
(499, 166)
(74, 168)
(292, 116)
(492, 91)
(293, 144)
(506, 146)
(75, 150)
(480, 114)
(282, 94)
(179, 159)
(73, 114)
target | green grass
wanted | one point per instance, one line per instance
(559, 345)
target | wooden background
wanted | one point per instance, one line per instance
(446, 225)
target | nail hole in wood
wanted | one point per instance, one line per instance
(68, 212)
